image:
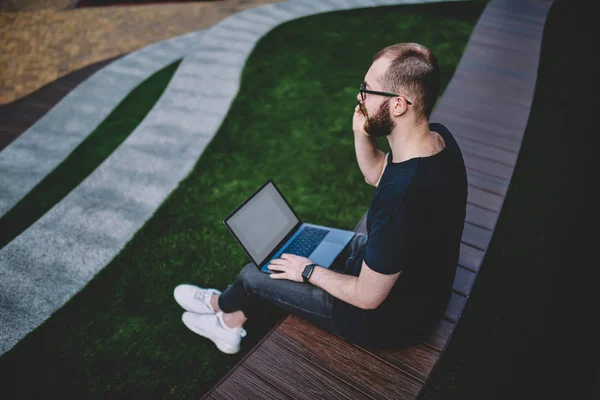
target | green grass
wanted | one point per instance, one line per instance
(87, 156)
(121, 336)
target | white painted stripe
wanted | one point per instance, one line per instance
(25, 161)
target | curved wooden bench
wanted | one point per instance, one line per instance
(486, 106)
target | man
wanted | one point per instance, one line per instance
(391, 286)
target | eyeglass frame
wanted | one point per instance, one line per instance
(362, 91)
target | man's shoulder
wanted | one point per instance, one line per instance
(389, 197)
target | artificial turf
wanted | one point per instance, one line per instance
(121, 336)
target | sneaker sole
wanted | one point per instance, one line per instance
(224, 347)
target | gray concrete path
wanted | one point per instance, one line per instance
(47, 264)
(41, 148)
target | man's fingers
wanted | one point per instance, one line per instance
(279, 276)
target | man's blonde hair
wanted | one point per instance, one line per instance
(414, 72)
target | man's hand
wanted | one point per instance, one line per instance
(291, 266)
(358, 122)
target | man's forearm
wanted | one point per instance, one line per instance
(369, 157)
(344, 287)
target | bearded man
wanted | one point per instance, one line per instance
(391, 286)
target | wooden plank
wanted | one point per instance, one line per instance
(227, 376)
(349, 363)
(520, 26)
(463, 281)
(455, 307)
(481, 217)
(510, 97)
(525, 38)
(463, 131)
(500, 44)
(476, 237)
(484, 199)
(417, 360)
(499, 118)
(512, 88)
(529, 11)
(498, 97)
(493, 134)
(508, 26)
(485, 166)
(478, 93)
(243, 384)
(475, 80)
(440, 334)
(479, 182)
(288, 371)
(480, 104)
(487, 109)
(488, 152)
(470, 257)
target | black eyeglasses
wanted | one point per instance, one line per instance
(363, 93)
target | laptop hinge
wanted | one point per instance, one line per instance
(283, 241)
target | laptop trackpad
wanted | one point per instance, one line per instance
(325, 253)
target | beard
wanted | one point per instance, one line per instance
(381, 123)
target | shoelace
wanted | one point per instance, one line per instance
(204, 296)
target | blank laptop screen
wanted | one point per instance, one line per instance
(262, 222)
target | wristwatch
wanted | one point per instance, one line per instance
(308, 270)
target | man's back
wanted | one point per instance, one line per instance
(415, 224)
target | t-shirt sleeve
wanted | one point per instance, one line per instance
(386, 246)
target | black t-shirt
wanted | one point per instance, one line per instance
(414, 225)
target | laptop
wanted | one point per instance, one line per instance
(266, 226)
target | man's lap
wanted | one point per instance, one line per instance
(306, 300)
(288, 294)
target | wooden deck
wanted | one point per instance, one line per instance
(486, 106)
(18, 116)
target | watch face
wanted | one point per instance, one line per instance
(308, 272)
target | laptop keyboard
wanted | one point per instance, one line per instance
(306, 241)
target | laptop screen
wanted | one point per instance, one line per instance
(262, 222)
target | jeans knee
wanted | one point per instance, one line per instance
(248, 272)
(253, 279)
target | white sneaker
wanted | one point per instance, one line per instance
(212, 327)
(195, 299)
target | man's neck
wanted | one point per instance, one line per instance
(412, 141)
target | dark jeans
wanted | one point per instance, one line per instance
(301, 299)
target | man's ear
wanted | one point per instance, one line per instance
(399, 106)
